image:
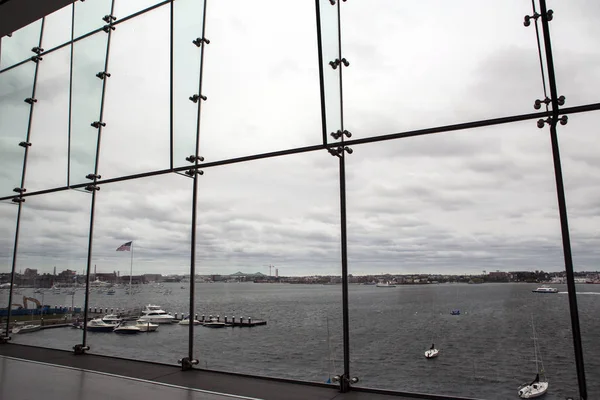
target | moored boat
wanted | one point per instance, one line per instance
(126, 328)
(97, 325)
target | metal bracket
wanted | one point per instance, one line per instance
(334, 64)
(109, 19)
(91, 188)
(25, 144)
(97, 124)
(332, 2)
(36, 59)
(198, 41)
(191, 172)
(538, 103)
(37, 50)
(541, 122)
(339, 133)
(19, 190)
(196, 97)
(102, 74)
(193, 158)
(344, 382)
(337, 151)
(18, 200)
(187, 364)
(30, 100)
(107, 28)
(80, 349)
(535, 16)
(93, 176)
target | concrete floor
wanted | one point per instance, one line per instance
(32, 373)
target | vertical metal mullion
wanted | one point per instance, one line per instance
(171, 91)
(70, 97)
(321, 75)
(345, 381)
(23, 176)
(195, 194)
(562, 207)
(96, 164)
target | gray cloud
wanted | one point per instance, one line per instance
(458, 202)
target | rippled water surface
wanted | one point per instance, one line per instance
(485, 352)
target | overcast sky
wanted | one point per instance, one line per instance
(459, 202)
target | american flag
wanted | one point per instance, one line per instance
(125, 247)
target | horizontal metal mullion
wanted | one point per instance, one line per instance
(299, 150)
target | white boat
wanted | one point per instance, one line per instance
(545, 289)
(127, 328)
(111, 292)
(213, 323)
(186, 321)
(156, 315)
(112, 319)
(146, 326)
(385, 284)
(539, 385)
(97, 325)
(26, 328)
(432, 352)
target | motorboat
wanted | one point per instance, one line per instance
(112, 319)
(385, 284)
(455, 312)
(213, 323)
(126, 328)
(97, 325)
(156, 315)
(26, 328)
(146, 326)
(111, 292)
(539, 386)
(432, 352)
(545, 289)
(186, 321)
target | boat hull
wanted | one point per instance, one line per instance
(100, 328)
(533, 390)
(433, 353)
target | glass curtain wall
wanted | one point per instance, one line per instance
(362, 248)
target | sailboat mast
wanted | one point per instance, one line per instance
(535, 352)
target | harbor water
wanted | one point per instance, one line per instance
(485, 352)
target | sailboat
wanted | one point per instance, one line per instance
(432, 352)
(539, 385)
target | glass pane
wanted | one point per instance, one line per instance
(48, 155)
(432, 63)
(331, 52)
(579, 153)
(89, 14)
(270, 255)
(576, 55)
(8, 220)
(136, 110)
(153, 214)
(187, 20)
(260, 100)
(460, 223)
(17, 47)
(15, 86)
(57, 28)
(123, 8)
(88, 60)
(51, 258)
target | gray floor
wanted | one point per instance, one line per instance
(33, 373)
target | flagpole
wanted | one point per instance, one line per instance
(131, 269)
